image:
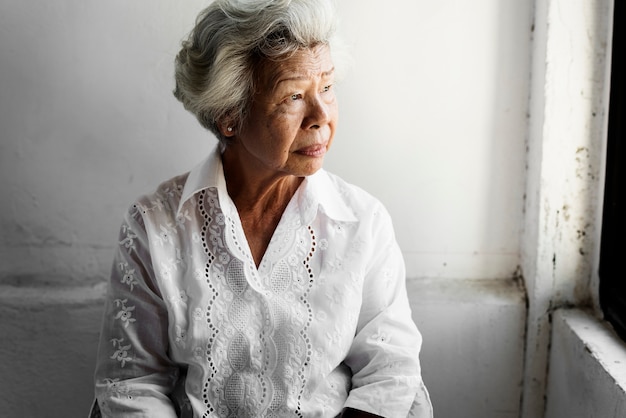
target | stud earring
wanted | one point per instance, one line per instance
(229, 129)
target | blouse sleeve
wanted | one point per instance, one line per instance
(133, 372)
(384, 356)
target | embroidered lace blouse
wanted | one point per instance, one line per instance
(193, 328)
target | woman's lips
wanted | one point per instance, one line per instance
(316, 150)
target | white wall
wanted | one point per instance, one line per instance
(88, 122)
(472, 357)
(433, 122)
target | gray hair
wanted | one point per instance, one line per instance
(215, 69)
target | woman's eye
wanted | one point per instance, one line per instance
(294, 97)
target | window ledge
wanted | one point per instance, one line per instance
(587, 375)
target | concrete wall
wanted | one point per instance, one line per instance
(48, 350)
(433, 117)
(472, 354)
(473, 351)
(432, 121)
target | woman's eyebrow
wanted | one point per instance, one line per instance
(300, 77)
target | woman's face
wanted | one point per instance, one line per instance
(293, 115)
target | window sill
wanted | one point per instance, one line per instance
(587, 375)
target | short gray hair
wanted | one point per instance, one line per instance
(215, 69)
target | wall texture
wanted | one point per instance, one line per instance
(433, 122)
(472, 358)
(48, 350)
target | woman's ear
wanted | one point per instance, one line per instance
(227, 128)
(228, 125)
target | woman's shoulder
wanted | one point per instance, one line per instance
(163, 200)
(353, 196)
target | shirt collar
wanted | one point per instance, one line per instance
(208, 173)
(318, 190)
(322, 191)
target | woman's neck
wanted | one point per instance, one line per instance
(254, 191)
(260, 199)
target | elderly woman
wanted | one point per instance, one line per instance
(258, 284)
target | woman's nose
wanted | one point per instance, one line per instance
(318, 114)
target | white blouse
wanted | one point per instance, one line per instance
(193, 328)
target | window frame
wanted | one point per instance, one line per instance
(612, 289)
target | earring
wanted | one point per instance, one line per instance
(229, 129)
